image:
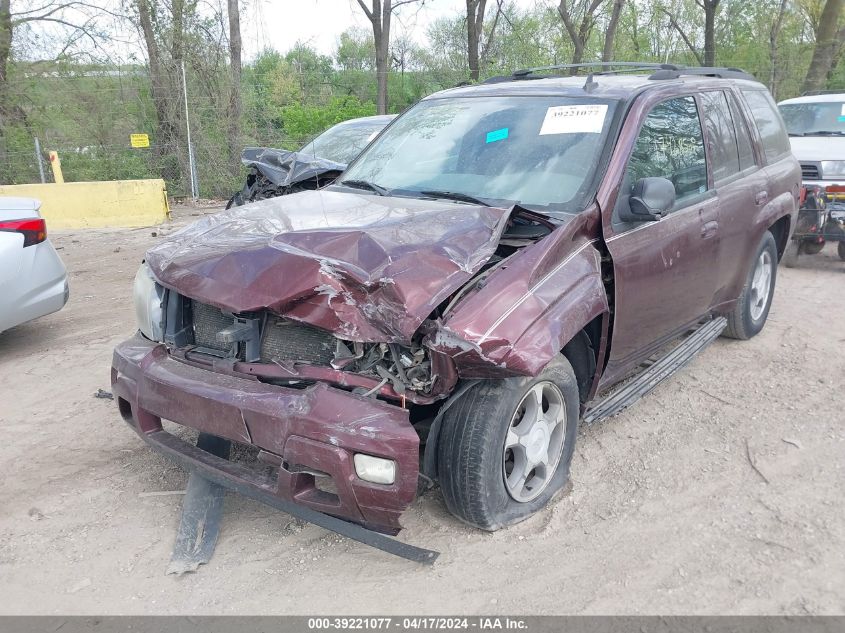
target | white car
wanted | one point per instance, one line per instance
(816, 126)
(33, 279)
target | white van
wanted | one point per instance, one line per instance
(816, 126)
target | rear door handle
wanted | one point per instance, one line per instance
(709, 229)
(761, 198)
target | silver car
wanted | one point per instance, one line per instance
(33, 279)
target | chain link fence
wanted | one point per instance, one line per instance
(87, 117)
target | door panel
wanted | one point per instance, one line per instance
(666, 272)
(665, 276)
(740, 187)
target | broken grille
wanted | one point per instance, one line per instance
(281, 339)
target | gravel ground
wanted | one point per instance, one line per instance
(721, 492)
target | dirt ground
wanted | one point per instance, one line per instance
(667, 513)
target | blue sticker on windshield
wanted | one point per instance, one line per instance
(497, 135)
(842, 118)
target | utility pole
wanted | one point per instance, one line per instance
(195, 193)
(39, 161)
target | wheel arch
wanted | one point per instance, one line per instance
(582, 351)
(780, 229)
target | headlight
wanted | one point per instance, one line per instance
(149, 304)
(833, 169)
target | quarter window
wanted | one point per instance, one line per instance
(743, 138)
(721, 138)
(670, 145)
(769, 123)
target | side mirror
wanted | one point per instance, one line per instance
(650, 199)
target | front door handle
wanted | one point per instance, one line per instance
(709, 229)
(761, 198)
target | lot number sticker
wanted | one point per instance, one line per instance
(574, 119)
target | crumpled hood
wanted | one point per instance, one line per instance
(284, 168)
(365, 267)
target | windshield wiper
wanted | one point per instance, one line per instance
(797, 134)
(825, 133)
(365, 184)
(457, 196)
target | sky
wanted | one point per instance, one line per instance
(279, 24)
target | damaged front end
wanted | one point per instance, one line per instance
(308, 328)
(276, 172)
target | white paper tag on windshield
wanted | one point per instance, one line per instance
(574, 119)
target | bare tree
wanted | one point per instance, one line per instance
(379, 13)
(829, 38)
(584, 13)
(610, 32)
(708, 56)
(710, 8)
(78, 20)
(234, 128)
(5, 50)
(673, 24)
(475, 28)
(75, 20)
(159, 81)
(774, 36)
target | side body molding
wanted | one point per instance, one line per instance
(530, 308)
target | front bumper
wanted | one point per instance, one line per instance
(317, 429)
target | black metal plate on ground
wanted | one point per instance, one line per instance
(202, 510)
(200, 463)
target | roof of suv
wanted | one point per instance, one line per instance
(624, 87)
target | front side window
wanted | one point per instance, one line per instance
(540, 152)
(670, 145)
(769, 123)
(814, 119)
(721, 136)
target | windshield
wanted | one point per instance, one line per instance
(343, 142)
(536, 151)
(808, 119)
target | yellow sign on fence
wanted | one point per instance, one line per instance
(139, 140)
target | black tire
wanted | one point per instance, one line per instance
(840, 248)
(471, 448)
(790, 255)
(741, 324)
(812, 248)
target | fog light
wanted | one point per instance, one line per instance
(375, 469)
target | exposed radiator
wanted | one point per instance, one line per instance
(208, 321)
(281, 340)
(289, 340)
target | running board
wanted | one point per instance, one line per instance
(657, 372)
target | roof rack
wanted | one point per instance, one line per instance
(660, 71)
(604, 68)
(703, 71)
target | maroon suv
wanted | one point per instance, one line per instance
(477, 282)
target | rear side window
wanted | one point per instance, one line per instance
(769, 123)
(721, 137)
(743, 138)
(670, 145)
